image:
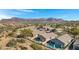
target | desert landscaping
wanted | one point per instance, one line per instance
(29, 35)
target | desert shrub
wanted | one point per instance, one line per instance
(0, 39)
(10, 34)
(20, 36)
(36, 46)
(21, 40)
(74, 32)
(23, 48)
(27, 33)
(11, 43)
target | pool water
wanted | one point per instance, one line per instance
(38, 39)
(53, 45)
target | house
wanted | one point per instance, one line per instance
(55, 43)
(52, 30)
(40, 28)
(43, 37)
(49, 29)
(59, 42)
(76, 45)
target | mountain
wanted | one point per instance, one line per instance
(43, 20)
(55, 20)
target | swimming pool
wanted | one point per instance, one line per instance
(54, 45)
(40, 38)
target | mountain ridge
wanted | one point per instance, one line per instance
(15, 19)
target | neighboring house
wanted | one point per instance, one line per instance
(49, 29)
(60, 42)
(76, 45)
(40, 28)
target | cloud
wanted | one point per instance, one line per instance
(5, 16)
(8, 13)
(25, 10)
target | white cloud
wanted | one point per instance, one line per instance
(25, 10)
(5, 17)
(6, 13)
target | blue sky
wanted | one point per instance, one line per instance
(66, 14)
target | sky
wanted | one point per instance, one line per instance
(66, 14)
